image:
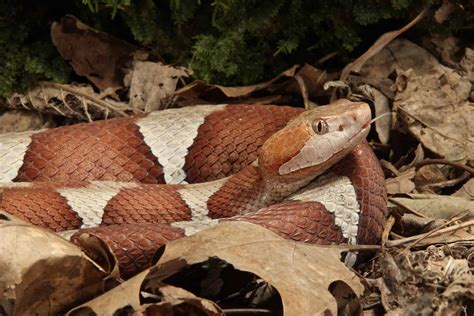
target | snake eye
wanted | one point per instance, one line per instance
(320, 126)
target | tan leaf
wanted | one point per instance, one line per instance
(382, 125)
(444, 11)
(400, 55)
(307, 81)
(437, 206)
(74, 101)
(428, 175)
(381, 42)
(42, 273)
(302, 274)
(466, 191)
(20, 121)
(434, 108)
(467, 63)
(150, 83)
(402, 183)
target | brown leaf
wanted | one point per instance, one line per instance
(428, 175)
(74, 101)
(424, 282)
(42, 273)
(296, 270)
(466, 191)
(381, 42)
(151, 83)
(402, 183)
(437, 206)
(434, 108)
(382, 125)
(197, 91)
(100, 57)
(272, 91)
(20, 121)
(302, 274)
(467, 63)
(400, 55)
(444, 11)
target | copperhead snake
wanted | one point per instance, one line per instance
(104, 177)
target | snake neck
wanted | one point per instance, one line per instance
(250, 190)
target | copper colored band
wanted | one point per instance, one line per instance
(114, 150)
(146, 204)
(362, 167)
(132, 245)
(237, 194)
(229, 140)
(104, 150)
(41, 207)
(308, 222)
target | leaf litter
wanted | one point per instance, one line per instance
(423, 266)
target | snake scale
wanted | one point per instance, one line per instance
(140, 181)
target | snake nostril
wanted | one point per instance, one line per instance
(341, 128)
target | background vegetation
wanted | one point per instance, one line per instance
(229, 42)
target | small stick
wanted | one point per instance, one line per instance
(303, 90)
(444, 162)
(434, 233)
(246, 311)
(409, 209)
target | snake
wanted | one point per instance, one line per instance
(141, 181)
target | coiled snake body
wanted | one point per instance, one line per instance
(51, 178)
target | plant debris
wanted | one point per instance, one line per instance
(424, 264)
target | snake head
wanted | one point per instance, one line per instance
(316, 139)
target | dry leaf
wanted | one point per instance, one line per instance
(437, 206)
(382, 125)
(302, 274)
(446, 48)
(150, 83)
(168, 301)
(466, 191)
(199, 92)
(426, 282)
(399, 55)
(467, 63)
(444, 11)
(460, 236)
(434, 108)
(41, 273)
(313, 79)
(271, 91)
(403, 183)
(428, 175)
(73, 101)
(381, 42)
(100, 57)
(20, 121)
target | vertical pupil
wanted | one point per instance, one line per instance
(320, 126)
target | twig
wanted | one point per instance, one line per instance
(409, 209)
(434, 233)
(246, 311)
(444, 162)
(326, 58)
(447, 183)
(303, 90)
(386, 231)
(431, 233)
